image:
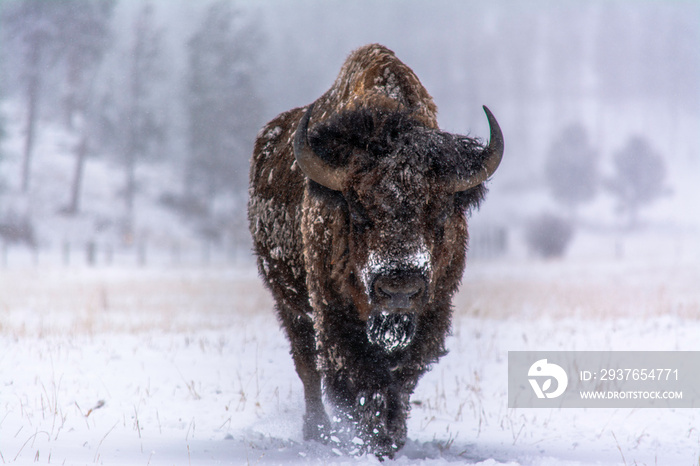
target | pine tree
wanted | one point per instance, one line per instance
(33, 27)
(639, 178)
(84, 42)
(69, 35)
(140, 120)
(222, 102)
(571, 169)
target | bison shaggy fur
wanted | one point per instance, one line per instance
(357, 210)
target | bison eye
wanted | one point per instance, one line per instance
(442, 216)
(358, 214)
(359, 219)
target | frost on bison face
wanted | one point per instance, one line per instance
(358, 215)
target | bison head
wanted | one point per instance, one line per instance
(404, 189)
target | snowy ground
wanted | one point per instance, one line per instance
(187, 366)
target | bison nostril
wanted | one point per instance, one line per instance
(399, 289)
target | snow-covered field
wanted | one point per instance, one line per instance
(188, 366)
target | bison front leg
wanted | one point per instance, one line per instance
(381, 420)
(300, 331)
(316, 422)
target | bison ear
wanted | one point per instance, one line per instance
(310, 163)
(491, 156)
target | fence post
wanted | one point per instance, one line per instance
(141, 252)
(175, 254)
(90, 249)
(206, 252)
(619, 249)
(65, 253)
(109, 254)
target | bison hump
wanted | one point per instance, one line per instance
(373, 77)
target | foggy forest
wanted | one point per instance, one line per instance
(129, 124)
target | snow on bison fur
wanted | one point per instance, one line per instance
(357, 210)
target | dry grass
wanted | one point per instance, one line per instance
(83, 300)
(582, 290)
(78, 301)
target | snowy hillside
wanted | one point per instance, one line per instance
(158, 227)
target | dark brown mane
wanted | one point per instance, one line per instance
(371, 135)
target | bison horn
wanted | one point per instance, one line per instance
(492, 155)
(310, 163)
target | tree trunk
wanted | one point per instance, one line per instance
(80, 156)
(134, 142)
(130, 191)
(70, 102)
(33, 91)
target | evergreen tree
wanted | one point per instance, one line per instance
(33, 27)
(68, 35)
(222, 102)
(639, 178)
(84, 43)
(571, 168)
(140, 120)
(83, 40)
(2, 156)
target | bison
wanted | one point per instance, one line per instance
(357, 210)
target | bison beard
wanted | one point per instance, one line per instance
(391, 332)
(357, 211)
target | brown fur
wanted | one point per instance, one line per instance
(313, 244)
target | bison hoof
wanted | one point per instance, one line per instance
(317, 428)
(381, 426)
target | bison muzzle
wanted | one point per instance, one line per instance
(358, 207)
